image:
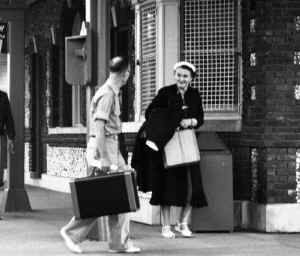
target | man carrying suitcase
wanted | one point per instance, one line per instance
(103, 152)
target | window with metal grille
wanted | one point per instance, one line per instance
(211, 42)
(147, 58)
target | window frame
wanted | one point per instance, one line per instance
(214, 121)
(230, 115)
(138, 45)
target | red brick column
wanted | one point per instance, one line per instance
(271, 113)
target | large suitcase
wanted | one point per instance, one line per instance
(182, 149)
(104, 195)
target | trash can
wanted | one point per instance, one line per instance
(216, 170)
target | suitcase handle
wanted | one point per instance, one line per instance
(96, 172)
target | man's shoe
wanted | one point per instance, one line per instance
(130, 249)
(69, 243)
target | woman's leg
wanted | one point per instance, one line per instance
(184, 218)
(185, 211)
(166, 211)
(166, 222)
(185, 214)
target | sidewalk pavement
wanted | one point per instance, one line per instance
(36, 233)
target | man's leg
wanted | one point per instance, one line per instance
(76, 232)
(118, 240)
(118, 231)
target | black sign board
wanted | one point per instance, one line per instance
(3, 37)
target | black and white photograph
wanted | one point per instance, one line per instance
(150, 127)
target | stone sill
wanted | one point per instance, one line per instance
(67, 130)
(215, 122)
(127, 127)
(56, 183)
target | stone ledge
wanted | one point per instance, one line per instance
(55, 183)
(270, 218)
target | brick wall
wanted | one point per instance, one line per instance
(271, 121)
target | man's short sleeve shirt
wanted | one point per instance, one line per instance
(105, 106)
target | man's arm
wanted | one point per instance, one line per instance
(101, 144)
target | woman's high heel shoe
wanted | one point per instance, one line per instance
(166, 232)
(183, 229)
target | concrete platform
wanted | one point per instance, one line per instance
(36, 233)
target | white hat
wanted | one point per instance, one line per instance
(185, 63)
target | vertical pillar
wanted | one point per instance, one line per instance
(98, 19)
(168, 40)
(15, 196)
(36, 167)
(103, 40)
(137, 67)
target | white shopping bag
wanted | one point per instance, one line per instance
(182, 149)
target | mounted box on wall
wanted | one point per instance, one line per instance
(78, 59)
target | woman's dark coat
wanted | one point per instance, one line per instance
(168, 186)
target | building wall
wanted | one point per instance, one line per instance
(265, 151)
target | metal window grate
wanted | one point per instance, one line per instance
(148, 50)
(210, 42)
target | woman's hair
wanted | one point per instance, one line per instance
(118, 64)
(189, 69)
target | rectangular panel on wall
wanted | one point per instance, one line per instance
(148, 50)
(210, 30)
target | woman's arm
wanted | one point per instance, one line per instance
(199, 113)
(195, 112)
(159, 101)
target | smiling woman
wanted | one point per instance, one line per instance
(184, 72)
(175, 106)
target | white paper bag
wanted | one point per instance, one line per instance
(182, 149)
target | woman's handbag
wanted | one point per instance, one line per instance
(182, 149)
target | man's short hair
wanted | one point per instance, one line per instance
(118, 64)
